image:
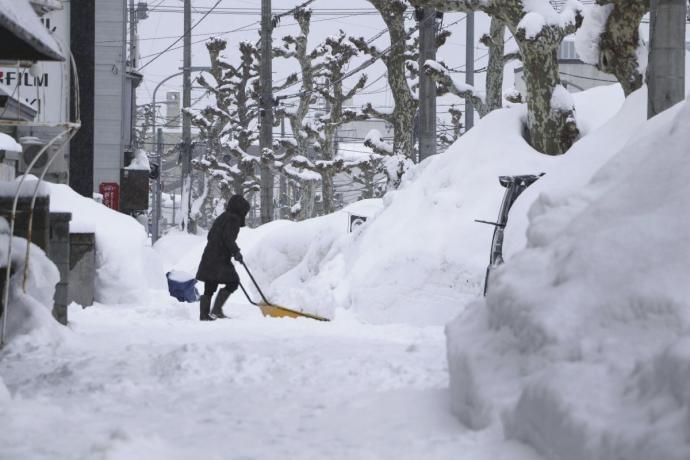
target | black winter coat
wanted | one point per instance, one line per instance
(216, 266)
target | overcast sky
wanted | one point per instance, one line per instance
(162, 28)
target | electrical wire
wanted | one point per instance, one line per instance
(181, 37)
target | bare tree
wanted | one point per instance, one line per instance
(610, 40)
(538, 30)
(495, 42)
(297, 47)
(335, 54)
(226, 128)
(401, 53)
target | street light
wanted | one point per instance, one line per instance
(155, 231)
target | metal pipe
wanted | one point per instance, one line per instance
(33, 201)
(29, 231)
(13, 215)
(4, 308)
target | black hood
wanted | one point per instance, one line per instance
(238, 206)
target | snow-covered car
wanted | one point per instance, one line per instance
(514, 186)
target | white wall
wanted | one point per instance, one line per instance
(109, 87)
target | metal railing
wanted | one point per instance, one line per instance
(70, 129)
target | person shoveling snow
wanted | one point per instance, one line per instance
(216, 266)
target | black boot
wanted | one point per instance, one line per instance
(221, 298)
(204, 307)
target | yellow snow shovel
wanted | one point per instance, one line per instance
(276, 311)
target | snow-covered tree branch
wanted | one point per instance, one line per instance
(538, 30)
(610, 40)
(396, 60)
(447, 84)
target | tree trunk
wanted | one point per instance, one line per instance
(327, 194)
(551, 127)
(402, 118)
(369, 184)
(306, 201)
(619, 43)
(496, 65)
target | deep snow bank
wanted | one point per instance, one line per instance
(282, 255)
(31, 310)
(423, 255)
(582, 348)
(126, 266)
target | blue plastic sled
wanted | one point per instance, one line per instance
(184, 291)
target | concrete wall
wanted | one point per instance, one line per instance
(40, 233)
(59, 253)
(109, 90)
(82, 268)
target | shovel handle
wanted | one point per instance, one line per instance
(255, 284)
(246, 294)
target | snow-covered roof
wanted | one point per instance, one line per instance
(23, 35)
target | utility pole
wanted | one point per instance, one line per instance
(186, 121)
(133, 66)
(155, 231)
(283, 199)
(266, 140)
(666, 70)
(469, 69)
(427, 87)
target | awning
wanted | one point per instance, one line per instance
(23, 36)
(12, 109)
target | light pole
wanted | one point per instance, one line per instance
(155, 232)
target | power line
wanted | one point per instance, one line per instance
(181, 36)
(244, 28)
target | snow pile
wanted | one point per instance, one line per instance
(140, 161)
(176, 245)
(27, 188)
(31, 310)
(587, 156)
(126, 266)
(8, 143)
(282, 255)
(423, 255)
(582, 348)
(541, 13)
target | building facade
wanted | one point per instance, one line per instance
(98, 32)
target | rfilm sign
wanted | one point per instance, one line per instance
(46, 86)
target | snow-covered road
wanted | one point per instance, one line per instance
(154, 383)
